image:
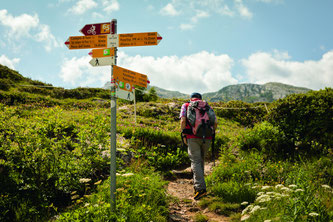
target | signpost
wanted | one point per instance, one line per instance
(139, 39)
(97, 53)
(96, 29)
(129, 77)
(92, 41)
(124, 94)
(103, 39)
(103, 61)
(113, 40)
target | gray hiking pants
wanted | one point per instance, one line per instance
(197, 150)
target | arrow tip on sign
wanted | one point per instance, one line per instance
(67, 43)
(159, 38)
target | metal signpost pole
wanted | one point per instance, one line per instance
(113, 127)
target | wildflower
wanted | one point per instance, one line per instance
(285, 189)
(86, 204)
(313, 214)
(244, 203)
(265, 187)
(263, 198)
(279, 186)
(260, 193)
(292, 186)
(299, 190)
(247, 209)
(254, 209)
(85, 180)
(267, 220)
(326, 186)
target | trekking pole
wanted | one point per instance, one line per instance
(213, 149)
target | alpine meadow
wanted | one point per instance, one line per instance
(274, 159)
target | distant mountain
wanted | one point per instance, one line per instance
(247, 92)
(254, 92)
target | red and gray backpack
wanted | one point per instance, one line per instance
(201, 118)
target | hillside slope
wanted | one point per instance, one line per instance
(268, 92)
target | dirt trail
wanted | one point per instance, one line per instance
(186, 207)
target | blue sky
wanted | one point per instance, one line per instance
(207, 44)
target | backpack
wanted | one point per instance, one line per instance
(201, 118)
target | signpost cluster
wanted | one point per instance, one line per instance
(103, 39)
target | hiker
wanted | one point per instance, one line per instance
(197, 140)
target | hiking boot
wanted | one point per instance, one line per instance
(200, 194)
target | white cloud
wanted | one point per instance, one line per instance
(19, 26)
(203, 71)
(28, 26)
(82, 6)
(78, 72)
(243, 10)
(199, 15)
(4, 60)
(169, 10)
(45, 36)
(186, 26)
(111, 5)
(263, 67)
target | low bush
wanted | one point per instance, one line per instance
(306, 120)
(267, 139)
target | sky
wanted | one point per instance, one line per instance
(206, 45)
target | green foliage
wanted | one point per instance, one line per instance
(7, 73)
(199, 217)
(39, 157)
(5, 84)
(267, 139)
(140, 197)
(245, 113)
(306, 120)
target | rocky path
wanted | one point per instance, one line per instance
(184, 207)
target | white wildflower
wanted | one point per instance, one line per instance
(326, 186)
(286, 189)
(254, 209)
(85, 180)
(244, 203)
(292, 186)
(279, 186)
(247, 184)
(263, 198)
(267, 220)
(313, 214)
(128, 174)
(247, 209)
(265, 187)
(299, 190)
(95, 205)
(260, 193)
(86, 204)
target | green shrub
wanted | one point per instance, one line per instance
(267, 139)
(245, 113)
(5, 84)
(306, 120)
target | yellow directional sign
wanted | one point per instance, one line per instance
(99, 53)
(91, 41)
(127, 79)
(138, 39)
